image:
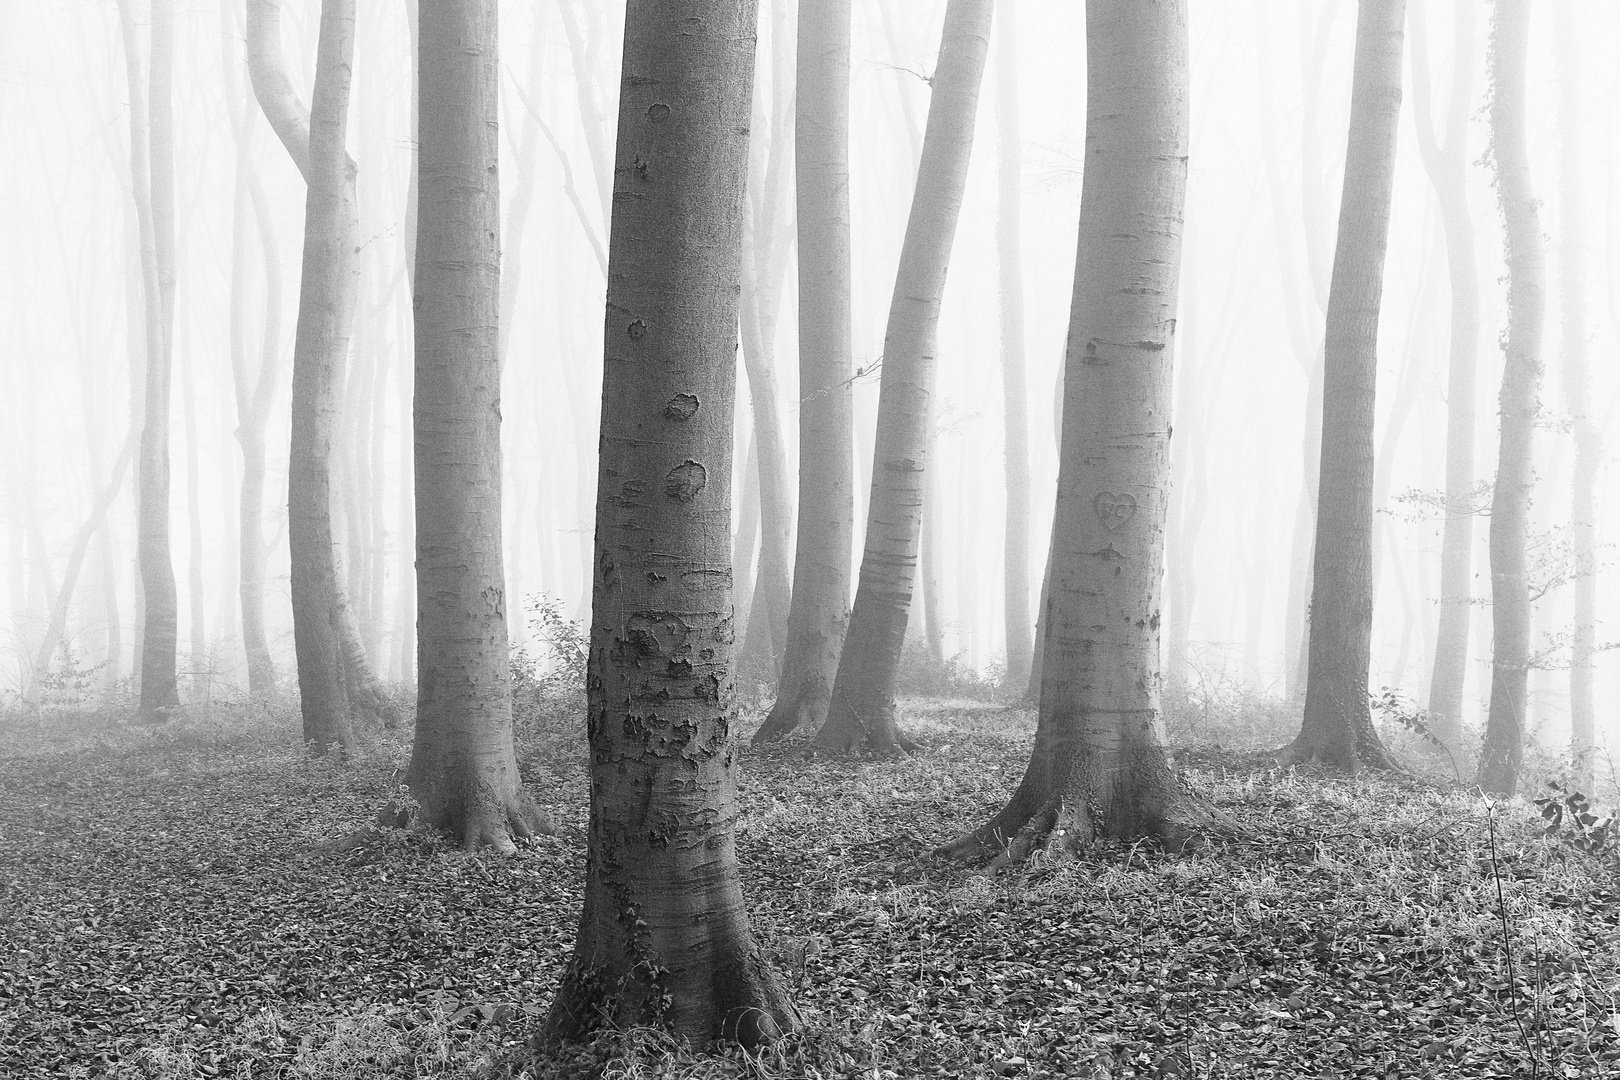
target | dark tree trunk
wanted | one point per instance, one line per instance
(1097, 768)
(821, 569)
(862, 706)
(664, 937)
(463, 768)
(1337, 728)
(1447, 166)
(1517, 403)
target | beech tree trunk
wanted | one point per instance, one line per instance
(1015, 396)
(1337, 728)
(151, 160)
(463, 770)
(1517, 403)
(1587, 431)
(664, 937)
(862, 706)
(1097, 768)
(765, 245)
(325, 637)
(821, 570)
(1447, 166)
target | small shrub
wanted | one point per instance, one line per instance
(548, 691)
(922, 675)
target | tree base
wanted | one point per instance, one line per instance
(1059, 828)
(1369, 755)
(747, 1005)
(483, 823)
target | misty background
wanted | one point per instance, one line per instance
(1270, 100)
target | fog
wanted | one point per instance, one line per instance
(1270, 90)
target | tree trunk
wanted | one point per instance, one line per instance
(1516, 405)
(316, 143)
(862, 706)
(1015, 397)
(1337, 729)
(1578, 397)
(152, 165)
(1447, 166)
(254, 391)
(664, 937)
(1097, 768)
(463, 768)
(821, 570)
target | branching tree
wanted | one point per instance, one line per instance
(862, 706)
(664, 936)
(333, 674)
(1097, 768)
(463, 769)
(1517, 402)
(1337, 728)
(821, 570)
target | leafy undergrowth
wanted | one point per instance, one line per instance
(172, 907)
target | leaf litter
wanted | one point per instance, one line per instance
(205, 900)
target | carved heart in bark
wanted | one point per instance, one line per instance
(1114, 510)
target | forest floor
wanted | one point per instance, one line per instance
(171, 906)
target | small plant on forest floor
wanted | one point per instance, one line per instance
(1219, 707)
(548, 691)
(923, 675)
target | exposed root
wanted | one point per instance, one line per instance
(1060, 831)
(496, 825)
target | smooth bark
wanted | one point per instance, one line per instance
(1447, 166)
(1517, 402)
(1097, 768)
(821, 568)
(1587, 432)
(862, 707)
(664, 937)
(463, 771)
(1014, 394)
(1337, 727)
(152, 167)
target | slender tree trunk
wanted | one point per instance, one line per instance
(862, 706)
(1447, 166)
(745, 543)
(821, 569)
(1015, 397)
(930, 540)
(254, 390)
(463, 770)
(316, 143)
(152, 165)
(1572, 222)
(1516, 405)
(664, 936)
(1337, 728)
(201, 686)
(766, 238)
(1097, 768)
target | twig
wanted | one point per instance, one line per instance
(1507, 944)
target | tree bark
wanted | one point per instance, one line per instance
(1516, 404)
(1015, 396)
(1097, 768)
(316, 141)
(463, 769)
(152, 167)
(821, 569)
(254, 390)
(1337, 728)
(862, 706)
(664, 937)
(1447, 166)
(1587, 431)
(766, 237)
